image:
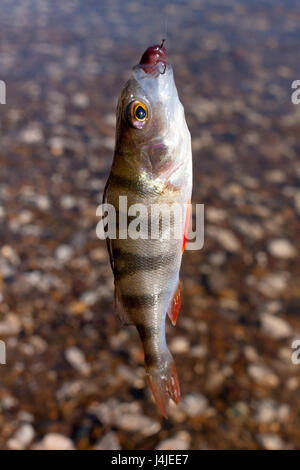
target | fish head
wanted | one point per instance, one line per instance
(150, 116)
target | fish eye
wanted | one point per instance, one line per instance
(140, 111)
(138, 114)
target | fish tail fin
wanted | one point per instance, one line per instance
(164, 384)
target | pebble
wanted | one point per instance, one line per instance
(216, 379)
(42, 202)
(127, 373)
(90, 297)
(81, 100)
(64, 253)
(265, 411)
(25, 217)
(105, 411)
(250, 353)
(56, 145)
(275, 327)
(77, 359)
(239, 409)
(137, 423)
(194, 404)
(9, 253)
(263, 375)
(275, 176)
(32, 135)
(271, 441)
(199, 351)
(8, 402)
(268, 411)
(111, 119)
(125, 416)
(68, 202)
(274, 306)
(273, 284)
(224, 237)
(25, 417)
(180, 441)
(109, 441)
(292, 383)
(98, 254)
(249, 229)
(54, 441)
(109, 143)
(69, 390)
(22, 438)
(176, 413)
(179, 345)
(39, 344)
(10, 326)
(218, 258)
(282, 249)
(215, 215)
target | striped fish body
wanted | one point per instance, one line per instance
(151, 167)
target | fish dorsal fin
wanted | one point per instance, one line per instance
(174, 305)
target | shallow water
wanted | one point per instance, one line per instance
(64, 65)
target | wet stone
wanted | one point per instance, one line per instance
(109, 441)
(178, 442)
(271, 441)
(275, 327)
(54, 441)
(194, 404)
(263, 375)
(22, 438)
(281, 248)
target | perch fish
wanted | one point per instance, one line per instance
(152, 166)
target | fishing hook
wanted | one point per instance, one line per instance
(162, 42)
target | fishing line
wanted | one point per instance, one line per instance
(165, 22)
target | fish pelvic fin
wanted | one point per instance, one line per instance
(174, 306)
(164, 384)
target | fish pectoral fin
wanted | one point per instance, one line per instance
(174, 306)
(120, 310)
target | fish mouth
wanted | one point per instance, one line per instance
(160, 68)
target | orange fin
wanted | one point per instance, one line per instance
(165, 385)
(175, 306)
(186, 225)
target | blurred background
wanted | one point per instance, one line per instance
(74, 378)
